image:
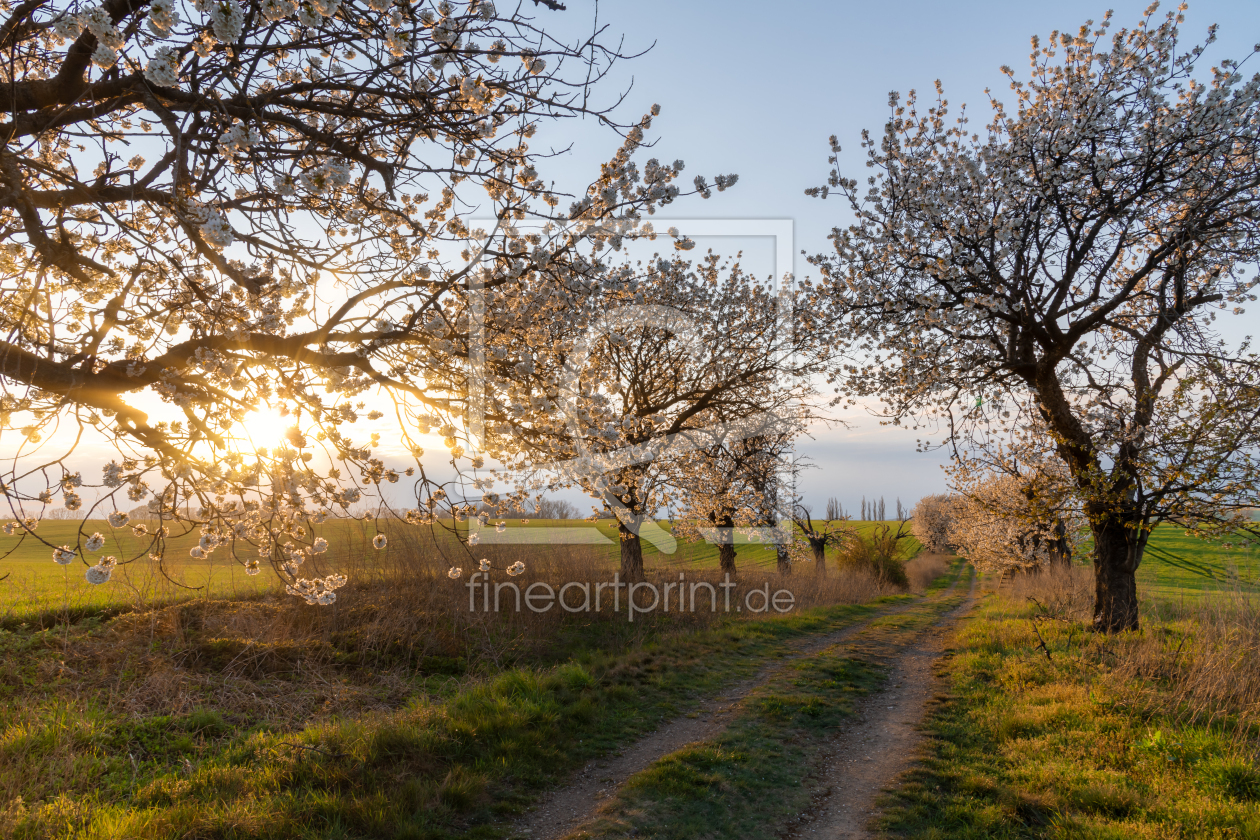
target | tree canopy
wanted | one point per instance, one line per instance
(214, 207)
(1071, 259)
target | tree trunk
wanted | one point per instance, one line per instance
(819, 547)
(1118, 548)
(725, 533)
(1060, 549)
(785, 562)
(631, 554)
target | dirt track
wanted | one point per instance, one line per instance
(577, 802)
(881, 742)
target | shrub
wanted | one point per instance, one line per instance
(882, 556)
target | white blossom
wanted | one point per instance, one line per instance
(101, 572)
(163, 69)
(226, 20)
(213, 225)
(277, 9)
(237, 139)
(398, 43)
(97, 574)
(104, 56)
(108, 39)
(112, 474)
(163, 17)
(68, 27)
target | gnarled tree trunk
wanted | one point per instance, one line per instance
(724, 527)
(1060, 548)
(819, 548)
(631, 554)
(1118, 547)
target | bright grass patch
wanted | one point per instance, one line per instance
(1131, 736)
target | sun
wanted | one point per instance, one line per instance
(263, 427)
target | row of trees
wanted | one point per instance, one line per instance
(876, 510)
(1000, 526)
(214, 208)
(288, 227)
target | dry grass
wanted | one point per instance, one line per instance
(111, 712)
(273, 658)
(1050, 729)
(1062, 593)
(1198, 663)
(924, 568)
(1194, 662)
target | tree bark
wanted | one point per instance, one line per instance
(631, 554)
(1118, 548)
(1060, 549)
(785, 562)
(819, 547)
(724, 527)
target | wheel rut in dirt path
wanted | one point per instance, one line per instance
(881, 742)
(577, 802)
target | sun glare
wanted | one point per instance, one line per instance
(264, 427)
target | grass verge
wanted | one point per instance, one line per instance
(458, 760)
(1139, 735)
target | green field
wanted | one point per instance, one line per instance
(1176, 567)
(36, 584)
(1180, 567)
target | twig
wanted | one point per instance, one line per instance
(1177, 654)
(1041, 643)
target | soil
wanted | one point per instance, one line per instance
(577, 802)
(881, 741)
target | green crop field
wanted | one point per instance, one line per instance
(1181, 567)
(36, 584)
(1176, 566)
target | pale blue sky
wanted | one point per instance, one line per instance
(756, 88)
